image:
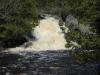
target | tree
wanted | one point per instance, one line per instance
(17, 17)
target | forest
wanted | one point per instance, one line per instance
(19, 17)
(16, 15)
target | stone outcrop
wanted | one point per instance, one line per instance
(73, 24)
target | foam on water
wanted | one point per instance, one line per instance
(48, 34)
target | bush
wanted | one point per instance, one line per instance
(87, 41)
(17, 17)
(82, 56)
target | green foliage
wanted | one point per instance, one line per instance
(87, 41)
(68, 45)
(82, 56)
(85, 10)
(16, 17)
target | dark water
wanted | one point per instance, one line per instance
(44, 63)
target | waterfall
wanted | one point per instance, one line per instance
(48, 36)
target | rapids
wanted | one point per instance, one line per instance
(48, 35)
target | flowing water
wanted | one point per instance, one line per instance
(44, 63)
(48, 34)
(37, 60)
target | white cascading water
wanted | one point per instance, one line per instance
(49, 36)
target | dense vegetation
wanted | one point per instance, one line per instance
(17, 17)
(85, 10)
(88, 13)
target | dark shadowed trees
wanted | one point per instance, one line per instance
(17, 17)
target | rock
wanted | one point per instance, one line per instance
(85, 28)
(75, 44)
(71, 22)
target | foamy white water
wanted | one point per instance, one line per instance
(48, 34)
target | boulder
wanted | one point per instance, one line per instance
(71, 22)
